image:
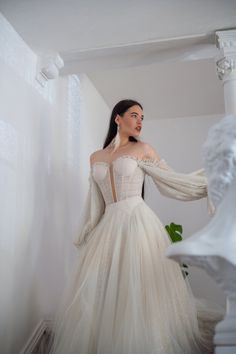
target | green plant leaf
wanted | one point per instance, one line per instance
(174, 231)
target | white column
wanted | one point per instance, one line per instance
(226, 67)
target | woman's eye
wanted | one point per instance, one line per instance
(135, 116)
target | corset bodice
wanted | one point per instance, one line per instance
(120, 179)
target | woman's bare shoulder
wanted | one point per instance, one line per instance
(144, 145)
(96, 155)
(149, 151)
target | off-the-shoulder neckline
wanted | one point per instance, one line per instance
(137, 159)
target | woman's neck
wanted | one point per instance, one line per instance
(124, 140)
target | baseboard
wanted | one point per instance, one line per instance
(43, 326)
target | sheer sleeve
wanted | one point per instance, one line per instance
(93, 210)
(181, 186)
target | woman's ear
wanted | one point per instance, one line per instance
(117, 118)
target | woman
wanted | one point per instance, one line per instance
(126, 297)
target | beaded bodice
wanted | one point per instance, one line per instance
(120, 179)
(123, 178)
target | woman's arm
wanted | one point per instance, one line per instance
(181, 186)
(92, 212)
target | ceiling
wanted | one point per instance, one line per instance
(72, 25)
(138, 48)
(164, 89)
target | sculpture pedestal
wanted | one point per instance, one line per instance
(225, 331)
(225, 350)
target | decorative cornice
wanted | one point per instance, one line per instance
(226, 39)
(49, 68)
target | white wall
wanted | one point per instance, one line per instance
(43, 168)
(179, 141)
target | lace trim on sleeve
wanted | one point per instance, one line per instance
(158, 163)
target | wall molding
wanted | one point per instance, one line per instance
(185, 48)
(44, 326)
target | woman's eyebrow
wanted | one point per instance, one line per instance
(136, 113)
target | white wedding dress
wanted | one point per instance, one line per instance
(126, 297)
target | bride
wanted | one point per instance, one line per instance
(125, 296)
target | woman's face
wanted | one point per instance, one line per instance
(131, 121)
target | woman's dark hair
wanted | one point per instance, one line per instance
(120, 108)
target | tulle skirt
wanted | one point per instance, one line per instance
(126, 297)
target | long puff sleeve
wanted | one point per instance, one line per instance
(93, 210)
(181, 186)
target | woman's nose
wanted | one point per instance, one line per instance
(139, 119)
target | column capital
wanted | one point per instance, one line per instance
(226, 40)
(226, 60)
